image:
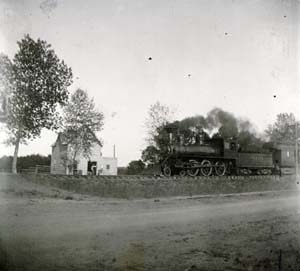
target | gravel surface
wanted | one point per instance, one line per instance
(44, 228)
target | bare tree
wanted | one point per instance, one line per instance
(158, 116)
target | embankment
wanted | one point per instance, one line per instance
(129, 187)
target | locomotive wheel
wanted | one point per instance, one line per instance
(167, 171)
(245, 171)
(192, 172)
(207, 169)
(182, 173)
(265, 171)
(220, 168)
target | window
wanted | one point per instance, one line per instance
(287, 154)
(107, 167)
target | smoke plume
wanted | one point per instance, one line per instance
(225, 124)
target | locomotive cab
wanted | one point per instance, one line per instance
(230, 149)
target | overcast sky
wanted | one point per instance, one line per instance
(239, 54)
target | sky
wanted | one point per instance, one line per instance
(241, 56)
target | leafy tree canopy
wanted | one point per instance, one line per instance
(151, 155)
(81, 122)
(24, 162)
(283, 130)
(135, 167)
(35, 82)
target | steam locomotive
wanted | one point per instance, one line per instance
(215, 156)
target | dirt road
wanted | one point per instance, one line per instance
(48, 229)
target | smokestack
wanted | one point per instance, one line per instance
(114, 151)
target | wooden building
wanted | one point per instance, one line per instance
(96, 164)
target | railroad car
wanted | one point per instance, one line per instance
(285, 156)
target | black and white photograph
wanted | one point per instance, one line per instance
(144, 135)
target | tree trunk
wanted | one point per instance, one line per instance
(73, 162)
(14, 164)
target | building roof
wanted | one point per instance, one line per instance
(63, 139)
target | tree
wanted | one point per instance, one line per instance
(81, 122)
(135, 167)
(5, 163)
(33, 160)
(158, 116)
(36, 82)
(283, 130)
(24, 162)
(248, 142)
(5, 85)
(150, 155)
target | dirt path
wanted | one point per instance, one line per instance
(48, 229)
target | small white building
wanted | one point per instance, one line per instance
(96, 164)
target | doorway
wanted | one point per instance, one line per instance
(92, 167)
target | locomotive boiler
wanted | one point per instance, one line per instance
(214, 156)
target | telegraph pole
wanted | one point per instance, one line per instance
(296, 149)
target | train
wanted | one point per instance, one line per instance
(207, 156)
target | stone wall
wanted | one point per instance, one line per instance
(152, 187)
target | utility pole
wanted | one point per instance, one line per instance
(296, 149)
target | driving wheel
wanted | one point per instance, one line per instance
(192, 172)
(167, 171)
(206, 168)
(220, 168)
